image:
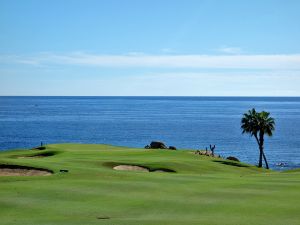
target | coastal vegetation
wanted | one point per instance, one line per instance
(173, 188)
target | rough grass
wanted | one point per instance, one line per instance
(202, 190)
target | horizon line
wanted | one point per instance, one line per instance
(175, 96)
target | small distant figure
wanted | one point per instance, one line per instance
(206, 153)
(212, 149)
(42, 144)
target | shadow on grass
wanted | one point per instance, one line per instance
(37, 155)
(39, 148)
(231, 163)
(45, 154)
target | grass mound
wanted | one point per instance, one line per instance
(200, 189)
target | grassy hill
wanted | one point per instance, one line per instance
(196, 190)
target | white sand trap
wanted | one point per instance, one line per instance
(131, 168)
(23, 172)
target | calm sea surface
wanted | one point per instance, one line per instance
(185, 122)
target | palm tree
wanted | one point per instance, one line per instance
(258, 124)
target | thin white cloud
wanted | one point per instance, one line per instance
(283, 62)
(167, 50)
(135, 53)
(230, 50)
(263, 83)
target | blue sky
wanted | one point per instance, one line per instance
(197, 48)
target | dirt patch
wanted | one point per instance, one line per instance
(205, 153)
(15, 170)
(103, 217)
(131, 168)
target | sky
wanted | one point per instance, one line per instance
(150, 48)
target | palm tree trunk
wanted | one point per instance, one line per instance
(260, 156)
(265, 159)
(261, 147)
(260, 151)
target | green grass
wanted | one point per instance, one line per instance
(203, 190)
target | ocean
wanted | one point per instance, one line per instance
(184, 122)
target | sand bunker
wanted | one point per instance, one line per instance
(131, 168)
(141, 168)
(14, 170)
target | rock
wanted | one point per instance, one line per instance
(147, 147)
(172, 148)
(158, 144)
(281, 164)
(233, 158)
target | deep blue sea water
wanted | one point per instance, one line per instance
(185, 122)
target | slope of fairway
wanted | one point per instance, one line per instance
(180, 188)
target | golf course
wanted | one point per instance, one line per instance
(83, 184)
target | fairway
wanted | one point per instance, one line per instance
(175, 188)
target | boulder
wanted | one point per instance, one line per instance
(233, 158)
(158, 144)
(172, 148)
